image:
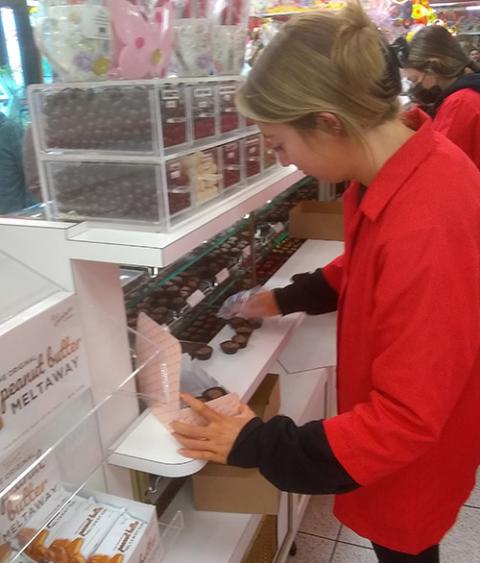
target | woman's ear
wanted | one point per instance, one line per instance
(329, 123)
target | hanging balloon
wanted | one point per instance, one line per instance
(142, 39)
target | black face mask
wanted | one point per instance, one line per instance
(425, 96)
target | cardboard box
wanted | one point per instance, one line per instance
(265, 402)
(312, 219)
(221, 488)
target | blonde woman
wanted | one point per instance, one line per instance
(403, 451)
(446, 80)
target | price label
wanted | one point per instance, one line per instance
(246, 251)
(222, 275)
(278, 227)
(95, 23)
(196, 298)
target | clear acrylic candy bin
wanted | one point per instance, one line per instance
(144, 152)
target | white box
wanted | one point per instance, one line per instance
(149, 542)
(44, 366)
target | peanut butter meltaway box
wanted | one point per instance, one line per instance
(75, 533)
(44, 366)
(32, 494)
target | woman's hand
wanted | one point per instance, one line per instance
(262, 304)
(214, 441)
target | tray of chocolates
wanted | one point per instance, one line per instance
(267, 266)
(200, 328)
(113, 118)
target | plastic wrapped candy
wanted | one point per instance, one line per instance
(230, 26)
(75, 36)
(193, 38)
(143, 37)
(235, 305)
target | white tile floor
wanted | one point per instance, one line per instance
(322, 539)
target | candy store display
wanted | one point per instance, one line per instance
(195, 176)
(204, 171)
(178, 186)
(231, 164)
(188, 295)
(97, 118)
(253, 155)
(141, 151)
(203, 111)
(229, 118)
(267, 267)
(112, 190)
(173, 109)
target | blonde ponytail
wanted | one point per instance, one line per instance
(323, 62)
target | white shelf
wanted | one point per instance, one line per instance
(209, 537)
(311, 255)
(314, 344)
(34, 242)
(150, 448)
(242, 373)
(222, 537)
(103, 242)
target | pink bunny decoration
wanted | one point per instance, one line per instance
(143, 43)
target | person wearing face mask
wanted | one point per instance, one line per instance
(446, 83)
(402, 453)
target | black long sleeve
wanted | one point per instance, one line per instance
(309, 293)
(295, 459)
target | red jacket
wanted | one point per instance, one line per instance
(458, 118)
(408, 345)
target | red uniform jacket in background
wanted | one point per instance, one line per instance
(458, 118)
(408, 344)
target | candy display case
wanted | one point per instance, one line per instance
(232, 165)
(174, 110)
(253, 155)
(176, 266)
(55, 508)
(95, 117)
(229, 117)
(204, 110)
(146, 151)
(58, 430)
(187, 295)
(107, 190)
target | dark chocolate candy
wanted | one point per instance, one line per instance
(230, 347)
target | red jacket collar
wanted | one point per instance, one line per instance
(401, 165)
